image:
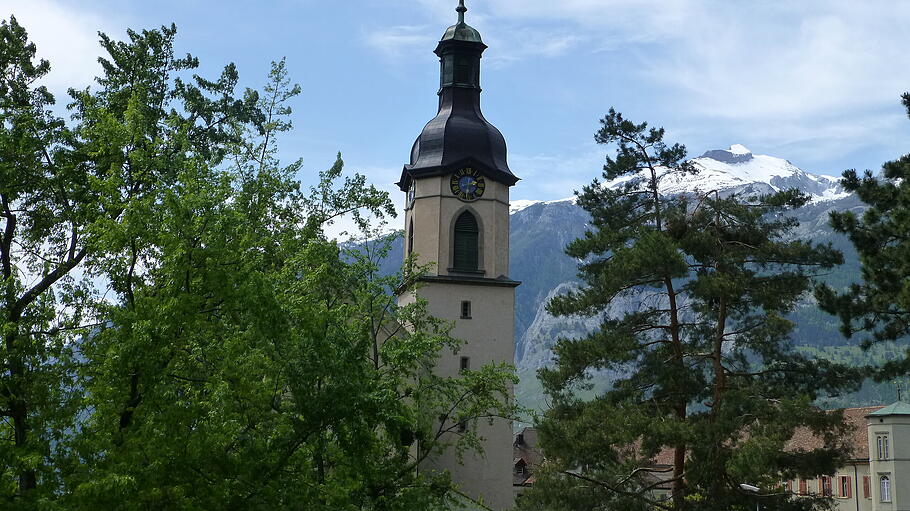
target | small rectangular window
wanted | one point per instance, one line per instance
(462, 426)
(845, 488)
(465, 363)
(466, 309)
(803, 487)
(867, 487)
(824, 486)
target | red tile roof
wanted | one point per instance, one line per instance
(804, 440)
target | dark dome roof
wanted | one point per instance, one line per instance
(459, 135)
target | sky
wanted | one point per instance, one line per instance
(817, 82)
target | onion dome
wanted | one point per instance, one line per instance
(459, 135)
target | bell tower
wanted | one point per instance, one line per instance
(457, 218)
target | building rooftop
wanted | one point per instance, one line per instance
(462, 31)
(898, 408)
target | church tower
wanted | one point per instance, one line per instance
(457, 217)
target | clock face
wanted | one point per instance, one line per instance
(467, 184)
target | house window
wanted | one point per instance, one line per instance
(867, 487)
(462, 426)
(465, 363)
(883, 447)
(466, 310)
(846, 490)
(824, 486)
(885, 482)
(467, 235)
(803, 487)
(789, 486)
(411, 237)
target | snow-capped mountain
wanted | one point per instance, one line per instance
(738, 170)
(733, 170)
(541, 229)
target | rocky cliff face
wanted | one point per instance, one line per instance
(540, 230)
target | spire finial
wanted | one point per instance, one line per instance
(461, 9)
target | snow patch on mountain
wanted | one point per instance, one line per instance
(739, 149)
(520, 204)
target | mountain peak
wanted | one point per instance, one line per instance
(737, 170)
(739, 149)
(737, 153)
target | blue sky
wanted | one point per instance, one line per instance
(816, 82)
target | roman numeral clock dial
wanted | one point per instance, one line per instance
(467, 184)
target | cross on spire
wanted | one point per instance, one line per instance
(461, 9)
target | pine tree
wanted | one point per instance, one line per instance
(693, 290)
(878, 307)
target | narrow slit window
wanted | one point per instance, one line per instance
(465, 310)
(465, 363)
(411, 237)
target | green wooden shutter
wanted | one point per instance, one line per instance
(466, 236)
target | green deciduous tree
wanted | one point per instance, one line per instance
(693, 290)
(45, 213)
(179, 331)
(878, 307)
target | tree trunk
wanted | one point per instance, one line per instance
(18, 409)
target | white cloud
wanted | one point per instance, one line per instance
(822, 77)
(66, 36)
(399, 41)
(792, 64)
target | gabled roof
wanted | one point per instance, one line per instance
(898, 408)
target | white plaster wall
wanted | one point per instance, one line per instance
(434, 212)
(489, 338)
(897, 466)
(489, 334)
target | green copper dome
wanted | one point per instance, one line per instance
(461, 31)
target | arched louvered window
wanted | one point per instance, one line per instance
(411, 237)
(466, 243)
